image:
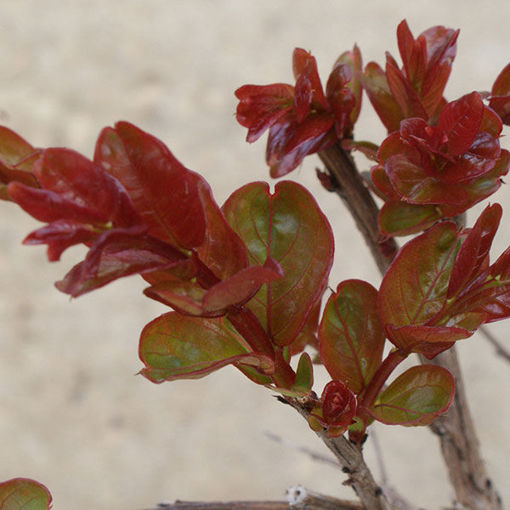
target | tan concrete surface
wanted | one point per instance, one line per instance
(72, 412)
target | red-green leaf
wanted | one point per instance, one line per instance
(400, 218)
(426, 340)
(288, 227)
(416, 397)
(24, 494)
(351, 339)
(162, 190)
(413, 290)
(174, 346)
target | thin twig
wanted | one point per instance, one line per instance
(500, 350)
(312, 454)
(459, 442)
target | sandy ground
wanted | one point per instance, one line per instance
(72, 412)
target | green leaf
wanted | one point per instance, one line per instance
(174, 346)
(24, 494)
(304, 374)
(351, 339)
(416, 397)
(289, 227)
(400, 218)
(414, 288)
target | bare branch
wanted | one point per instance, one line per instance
(298, 498)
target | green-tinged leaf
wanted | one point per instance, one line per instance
(288, 227)
(426, 340)
(416, 397)
(304, 374)
(24, 494)
(376, 86)
(174, 346)
(413, 290)
(351, 339)
(400, 218)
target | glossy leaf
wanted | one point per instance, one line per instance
(174, 346)
(413, 290)
(163, 191)
(24, 494)
(289, 227)
(351, 338)
(416, 397)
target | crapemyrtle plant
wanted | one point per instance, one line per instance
(247, 283)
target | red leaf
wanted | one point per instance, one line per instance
(351, 338)
(460, 120)
(164, 192)
(289, 228)
(305, 65)
(473, 254)
(289, 142)
(262, 106)
(223, 252)
(115, 254)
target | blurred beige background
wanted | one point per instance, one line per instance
(72, 412)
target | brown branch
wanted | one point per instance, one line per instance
(459, 442)
(298, 498)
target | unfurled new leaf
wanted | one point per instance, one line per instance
(174, 346)
(288, 227)
(24, 494)
(416, 397)
(351, 338)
